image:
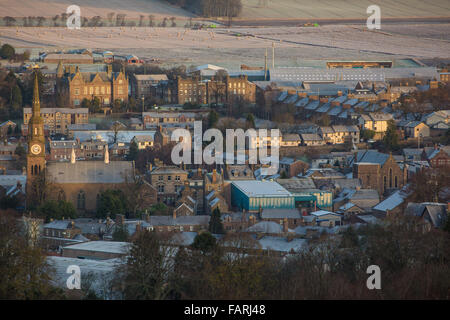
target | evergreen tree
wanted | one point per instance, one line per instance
(390, 139)
(133, 153)
(215, 223)
(7, 51)
(204, 242)
(16, 97)
(111, 202)
(250, 121)
(120, 234)
(53, 209)
(213, 118)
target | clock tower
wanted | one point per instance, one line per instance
(36, 140)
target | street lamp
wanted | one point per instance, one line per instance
(143, 107)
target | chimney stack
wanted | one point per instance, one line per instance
(214, 176)
(285, 225)
(120, 219)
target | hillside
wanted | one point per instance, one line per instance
(341, 9)
(252, 9)
(90, 8)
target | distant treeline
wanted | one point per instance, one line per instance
(211, 8)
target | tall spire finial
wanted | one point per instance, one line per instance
(60, 70)
(36, 103)
(72, 156)
(106, 154)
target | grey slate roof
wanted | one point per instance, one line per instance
(58, 224)
(280, 214)
(372, 156)
(181, 220)
(91, 172)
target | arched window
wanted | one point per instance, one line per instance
(32, 171)
(35, 169)
(81, 200)
(390, 178)
(396, 181)
(384, 183)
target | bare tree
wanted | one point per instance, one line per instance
(41, 21)
(110, 17)
(9, 21)
(172, 19)
(141, 20)
(151, 20)
(55, 20)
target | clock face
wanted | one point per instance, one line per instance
(36, 149)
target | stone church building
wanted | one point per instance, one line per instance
(378, 171)
(79, 182)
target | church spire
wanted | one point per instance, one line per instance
(60, 70)
(36, 103)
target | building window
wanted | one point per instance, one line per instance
(396, 182)
(81, 200)
(390, 178)
(160, 178)
(161, 189)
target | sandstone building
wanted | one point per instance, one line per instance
(106, 86)
(57, 120)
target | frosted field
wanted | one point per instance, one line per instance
(179, 45)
